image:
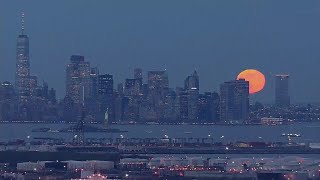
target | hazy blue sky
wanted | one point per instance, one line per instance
(218, 38)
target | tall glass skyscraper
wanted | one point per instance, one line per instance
(234, 101)
(22, 75)
(192, 88)
(282, 98)
(78, 79)
(158, 87)
(105, 97)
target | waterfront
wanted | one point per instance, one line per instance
(162, 152)
(220, 133)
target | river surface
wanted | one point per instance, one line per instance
(310, 132)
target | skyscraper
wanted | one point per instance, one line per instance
(137, 89)
(105, 85)
(282, 98)
(132, 87)
(92, 103)
(105, 96)
(138, 73)
(22, 74)
(192, 81)
(45, 90)
(158, 87)
(192, 88)
(8, 102)
(182, 105)
(70, 111)
(94, 78)
(78, 79)
(170, 107)
(208, 107)
(158, 80)
(129, 87)
(120, 89)
(33, 84)
(118, 106)
(234, 101)
(52, 96)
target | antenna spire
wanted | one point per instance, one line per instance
(22, 23)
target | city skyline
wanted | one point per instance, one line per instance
(204, 55)
(23, 47)
(159, 89)
(78, 62)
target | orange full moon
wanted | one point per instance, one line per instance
(256, 80)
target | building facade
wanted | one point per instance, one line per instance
(282, 98)
(105, 97)
(208, 107)
(192, 88)
(158, 88)
(8, 102)
(78, 79)
(234, 101)
(22, 75)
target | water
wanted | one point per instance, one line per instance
(309, 132)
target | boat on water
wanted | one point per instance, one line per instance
(291, 135)
(93, 129)
(48, 130)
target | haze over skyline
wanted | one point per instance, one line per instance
(217, 38)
